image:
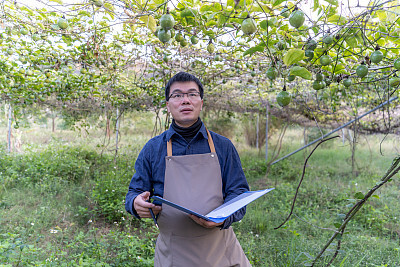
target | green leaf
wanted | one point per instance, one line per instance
(332, 2)
(316, 5)
(277, 2)
(264, 24)
(150, 22)
(254, 49)
(301, 72)
(359, 195)
(57, 1)
(337, 19)
(337, 225)
(376, 196)
(293, 56)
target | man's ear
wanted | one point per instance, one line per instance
(167, 106)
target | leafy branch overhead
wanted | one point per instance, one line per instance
(120, 53)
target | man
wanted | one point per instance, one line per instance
(194, 168)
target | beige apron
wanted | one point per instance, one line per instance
(194, 181)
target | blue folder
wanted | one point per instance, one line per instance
(225, 210)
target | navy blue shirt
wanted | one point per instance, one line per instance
(150, 167)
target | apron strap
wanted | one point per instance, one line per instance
(210, 143)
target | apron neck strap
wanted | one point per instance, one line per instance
(210, 143)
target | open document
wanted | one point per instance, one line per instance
(225, 210)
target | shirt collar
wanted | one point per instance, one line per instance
(171, 132)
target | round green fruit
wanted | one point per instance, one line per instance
(24, 31)
(319, 77)
(183, 42)
(178, 37)
(229, 43)
(297, 18)
(83, 71)
(253, 73)
(210, 48)
(164, 35)
(397, 64)
(362, 71)
(217, 57)
(9, 51)
(167, 21)
(327, 39)
(325, 60)
(35, 37)
(291, 78)
(22, 71)
(272, 73)
(376, 56)
(394, 81)
(311, 45)
(281, 45)
(62, 23)
(309, 55)
(318, 85)
(347, 82)
(29, 73)
(194, 40)
(249, 26)
(283, 98)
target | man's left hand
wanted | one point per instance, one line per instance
(204, 223)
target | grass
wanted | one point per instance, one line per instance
(53, 213)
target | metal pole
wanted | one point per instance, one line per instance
(266, 132)
(117, 132)
(9, 129)
(337, 129)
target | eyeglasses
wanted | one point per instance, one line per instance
(180, 96)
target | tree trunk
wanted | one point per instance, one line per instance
(9, 129)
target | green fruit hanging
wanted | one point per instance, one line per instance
(272, 73)
(291, 78)
(167, 21)
(194, 40)
(62, 23)
(210, 48)
(183, 42)
(327, 39)
(311, 45)
(164, 35)
(309, 54)
(319, 77)
(297, 18)
(24, 31)
(376, 56)
(283, 98)
(249, 26)
(394, 81)
(178, 37)
(325, 60)
(347, 82)
(362, 71)
(318, 85)
(396, 64)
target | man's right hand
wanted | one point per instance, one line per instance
(142, 207)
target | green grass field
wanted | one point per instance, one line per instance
(62, 200)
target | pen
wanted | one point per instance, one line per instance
(154, 217)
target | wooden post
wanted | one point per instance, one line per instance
(266, 131)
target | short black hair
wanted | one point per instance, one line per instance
(183, 77)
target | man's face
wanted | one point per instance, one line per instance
(184, 110)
